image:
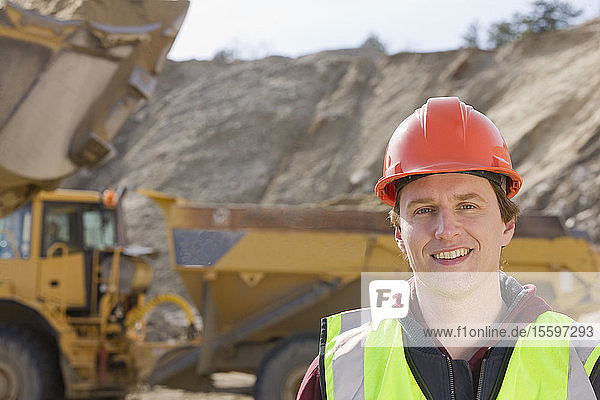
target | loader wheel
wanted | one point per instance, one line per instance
(281, 371)
(27, 370)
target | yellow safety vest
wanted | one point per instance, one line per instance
(360, 364)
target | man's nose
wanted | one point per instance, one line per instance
(447, 225)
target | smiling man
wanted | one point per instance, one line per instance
(449, 178)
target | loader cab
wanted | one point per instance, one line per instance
(75, 222)
(58, 223)
(70, 227)
(59, 248)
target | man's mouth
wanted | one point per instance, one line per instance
(451, 255)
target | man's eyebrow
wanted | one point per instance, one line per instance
(470, 196)
(459, 197)
(416, 202)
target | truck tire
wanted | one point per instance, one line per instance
(27, 369)
(283, 368)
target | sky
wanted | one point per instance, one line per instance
(258, 28)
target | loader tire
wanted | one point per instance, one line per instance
(28, 371)
(283, 368)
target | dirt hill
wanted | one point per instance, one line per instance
(308, 129)
(284, 130)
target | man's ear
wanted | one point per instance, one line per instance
(509, 231)
(399, 240)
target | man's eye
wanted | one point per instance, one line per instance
(467, 206)
(423, 210)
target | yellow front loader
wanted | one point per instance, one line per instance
(71, 291)
(72, 299)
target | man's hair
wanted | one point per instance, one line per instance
(508, 208)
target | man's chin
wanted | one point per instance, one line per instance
(452, 283)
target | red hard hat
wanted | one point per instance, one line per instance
(445, 135)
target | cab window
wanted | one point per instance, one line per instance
(60, 228)
(99, 230)
(77, 227)
(15, 233)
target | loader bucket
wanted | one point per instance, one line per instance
(69, 85)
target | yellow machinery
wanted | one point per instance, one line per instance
(262, 277)
(71, 294)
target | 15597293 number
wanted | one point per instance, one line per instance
(558, 331)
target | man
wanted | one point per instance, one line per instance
(449, 178)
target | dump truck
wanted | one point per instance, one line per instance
(71, 290)
(263, 276)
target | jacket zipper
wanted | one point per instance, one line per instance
(451, 373)
(480, 383)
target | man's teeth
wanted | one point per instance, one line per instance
(449, 255)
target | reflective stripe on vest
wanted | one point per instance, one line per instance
(364, 365)
(591, 359)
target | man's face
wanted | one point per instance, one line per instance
(451, 223)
